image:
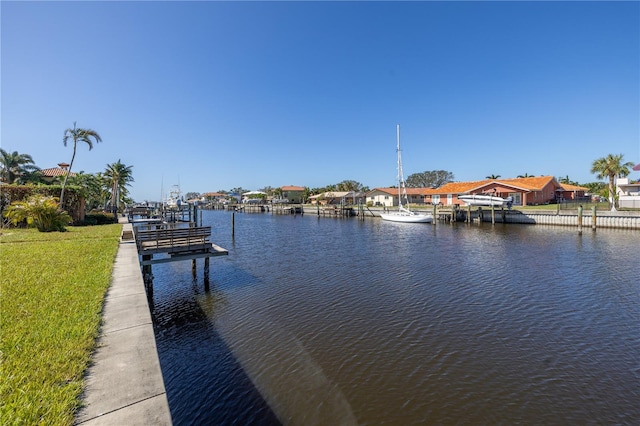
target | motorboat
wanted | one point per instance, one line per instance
(485, 200)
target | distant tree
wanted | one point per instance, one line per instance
(493, 177)
(277, 192)
(119, 177)
(565, 180)
(597, 188)
(306, 194)
(429, 179)
(349, 185)
(267, 190)
(611, 166)
(239, 190)
(94, 187)
(15, 167)
(526, 175)
(192, 195)
(77, 135)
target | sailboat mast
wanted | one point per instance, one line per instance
(399, 166)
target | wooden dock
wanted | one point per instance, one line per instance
(179, 242)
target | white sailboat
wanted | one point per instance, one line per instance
(404, 214)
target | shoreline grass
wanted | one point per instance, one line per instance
(52, 287)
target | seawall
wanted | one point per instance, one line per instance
(124, 385)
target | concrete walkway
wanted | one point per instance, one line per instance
(124, 384)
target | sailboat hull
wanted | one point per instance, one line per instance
(407, 217)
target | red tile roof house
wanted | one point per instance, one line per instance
(49, 174)
(525, 191)
(293, 193)
(388, 197)
(214, 196)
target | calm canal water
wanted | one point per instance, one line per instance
(318, 321)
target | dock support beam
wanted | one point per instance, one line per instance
(147, 276)
(206, 274)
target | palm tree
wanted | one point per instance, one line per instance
(77, 135)
(526, 175)
(612, 167)
(119, 177)
(14, 167)
(493, 177)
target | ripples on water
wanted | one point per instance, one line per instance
(333, 321)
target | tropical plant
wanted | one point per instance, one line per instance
(77, 135)
(493, 177)
(40, 211)
(349, 185)
(526, 175)
(565, 180)
(95, 188)
(119, 177)
(192, 196)
(429, 179)
(15, 167)
(612, 167)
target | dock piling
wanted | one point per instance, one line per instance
(580, 219)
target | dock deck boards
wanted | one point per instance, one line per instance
(180, 243)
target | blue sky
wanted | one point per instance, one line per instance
(217, 95)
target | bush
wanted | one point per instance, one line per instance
(40, 211)
(99, 219)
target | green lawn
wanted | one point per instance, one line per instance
(52, 287)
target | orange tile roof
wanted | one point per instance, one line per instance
(568, 187)
(535, 183)
(292, 188)
(55, 171)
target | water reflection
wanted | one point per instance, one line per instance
(341, 322)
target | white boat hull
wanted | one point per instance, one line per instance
(407, 217)
(485, 200)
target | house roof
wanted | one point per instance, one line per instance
(567, 187)
(55, 171)
(535, 183)
(292, 188)
(213, 194)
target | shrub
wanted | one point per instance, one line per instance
(99, 219)
(40, 211)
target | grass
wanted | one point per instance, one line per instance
(52, 287)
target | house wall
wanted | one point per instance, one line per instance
(628, 193)
(293, 196)
(383, 199)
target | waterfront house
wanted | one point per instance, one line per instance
(524, 191)
(571, 192)
(388, 197)
(214, 197)
(628, 193)
(48, 175)
(294, 194)
(337, 197)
